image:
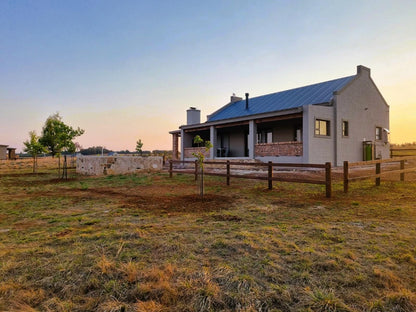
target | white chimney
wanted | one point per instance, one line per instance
(235, 98)
(193, 116)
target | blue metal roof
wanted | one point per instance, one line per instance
(313, 94)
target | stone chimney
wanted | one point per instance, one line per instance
(193, 116)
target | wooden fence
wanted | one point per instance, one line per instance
(326, 180)
(402, 152)
(377, 173)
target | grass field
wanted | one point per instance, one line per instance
(404, 152)
(148, 243)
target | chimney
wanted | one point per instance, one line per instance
(193, 116)
(246, 100)
(363, 70)
(235, 98)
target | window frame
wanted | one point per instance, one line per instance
(379, 134)
(318, 130)
(345, 130)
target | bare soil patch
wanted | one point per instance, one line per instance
(149, 199)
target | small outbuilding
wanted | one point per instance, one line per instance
(3, 152)
(7, 152)
(11, 153)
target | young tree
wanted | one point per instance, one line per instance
(139, 146)
(200, 157)
(58, 137)
(34, 148)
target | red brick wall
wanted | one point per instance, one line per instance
(175, 150)
(279, 149)
(189, 150)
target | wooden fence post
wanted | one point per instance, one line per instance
(270, 175)
(328, 182)
(402, 168)
(378, 171)
(65, 169)
(346, 177)
(196, 170)
(170, 169)
(228, 172)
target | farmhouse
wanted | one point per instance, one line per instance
(332, 121)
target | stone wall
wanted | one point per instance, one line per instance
(279, 149)
(103, 165)
(3, 152)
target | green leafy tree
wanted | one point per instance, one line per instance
(58, 137)
(200, 158)
(34, 148)
(139, 146)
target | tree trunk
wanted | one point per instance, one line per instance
(201, 186)
(59, 165)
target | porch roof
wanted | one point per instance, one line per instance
(318, 93)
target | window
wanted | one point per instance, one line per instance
(345, 128)
(321, 127)
(378, 133)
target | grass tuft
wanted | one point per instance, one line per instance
(149, 306)
(106, 265)
(326, 301)
(401, 301)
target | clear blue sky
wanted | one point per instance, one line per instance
(124, 70)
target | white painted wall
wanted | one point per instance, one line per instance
(318, 149)
(362, 105)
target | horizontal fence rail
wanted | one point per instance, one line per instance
(402, 152)
(377, 173)
(267, 176)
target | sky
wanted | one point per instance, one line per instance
(128, 70)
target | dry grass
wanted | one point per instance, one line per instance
(147, 243)
(25, 165)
